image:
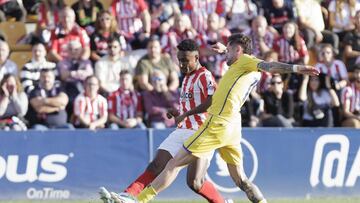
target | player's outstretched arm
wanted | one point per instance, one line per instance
(277, 67)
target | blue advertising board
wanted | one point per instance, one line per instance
(73, 164)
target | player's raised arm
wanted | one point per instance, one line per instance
(277, 67)
(274, 67)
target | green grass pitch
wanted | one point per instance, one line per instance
(315, 200)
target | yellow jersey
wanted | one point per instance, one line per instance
(234, 88)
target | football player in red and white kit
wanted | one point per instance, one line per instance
(197, 89)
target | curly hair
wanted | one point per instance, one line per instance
(242, 40)
(188, 45)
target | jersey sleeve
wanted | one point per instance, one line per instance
(250, 63)
(207, 84)
(79, 105)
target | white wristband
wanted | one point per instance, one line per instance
(295, 68)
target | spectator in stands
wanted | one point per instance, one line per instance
(134, 21)
(68, 31)
(318, 99)
(105, 28)
(158, 100)
(48, 18)
(6, 65)
(47, 104)
(291, 46)
(74, 70)
(261, 36)
(333, 67)
(352, 44)
(198, 11)
(214, 33)
(125, 105)
(162, 12)
(264, 83)
(239, 13)
(90, 108)
(152, 61)
(13, 103)
(11, 8)
(291, 49)
(278, 105)
(108, 68)
(249, 111)
(86, 12)
(341, 13)
(279, 13)
(30, 73)
(181, 30)
(31, 6)
(350, 99)
(311, 22)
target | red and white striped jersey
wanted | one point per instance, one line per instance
(125, 104)
(287, 52)
(199, 10)
(351, 94)
(128, 15)
(90, 109)
(337, 70)
(195, 88)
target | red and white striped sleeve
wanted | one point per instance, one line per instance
(207, 83)
(79, 105)
(112, 103)
(346, 94)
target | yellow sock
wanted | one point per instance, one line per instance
(146, 195)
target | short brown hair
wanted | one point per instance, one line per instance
(242, 40)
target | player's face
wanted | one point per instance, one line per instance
(234, 51)
(187, 61)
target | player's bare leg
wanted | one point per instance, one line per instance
(167, 176)
(252, 191)
(196, 181)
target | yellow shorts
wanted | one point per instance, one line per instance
(217, 133)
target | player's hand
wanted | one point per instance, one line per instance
(179, 119)
(307, 70)
(219, 48)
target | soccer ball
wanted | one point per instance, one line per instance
(124, 198)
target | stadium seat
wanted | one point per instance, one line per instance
(106, 3)
(13, 32)
(70, 2)
(20, 58)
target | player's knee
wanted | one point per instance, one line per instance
(195, 183)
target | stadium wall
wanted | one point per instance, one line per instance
(73, 164)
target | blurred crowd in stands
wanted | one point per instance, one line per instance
(112, 63)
